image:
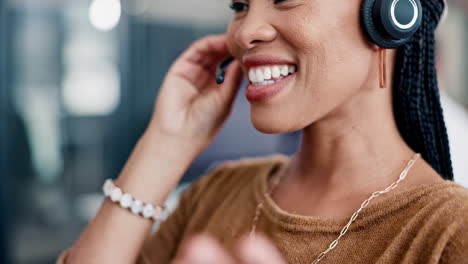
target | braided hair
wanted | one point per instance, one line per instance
(416, 101)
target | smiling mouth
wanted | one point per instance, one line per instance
(265, 75)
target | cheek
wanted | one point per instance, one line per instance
(334, 74)
(349, 53)
(230, 39)
(329, 39)
(335, 64)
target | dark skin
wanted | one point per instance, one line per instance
(351, 146)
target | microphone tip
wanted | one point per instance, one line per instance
(219, 79)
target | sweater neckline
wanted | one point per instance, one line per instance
(373, 213)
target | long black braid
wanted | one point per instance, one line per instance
(416, 101)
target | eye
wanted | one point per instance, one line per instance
(238, 7)
(278, 1)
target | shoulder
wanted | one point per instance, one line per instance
(450, 220)
(238, 169)
(438, 193)
(448, 198)
(227, 175)
(454, 195)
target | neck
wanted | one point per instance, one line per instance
(356, 148)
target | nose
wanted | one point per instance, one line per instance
(254, 30)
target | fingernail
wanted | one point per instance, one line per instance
(201, 252)
(257, 250)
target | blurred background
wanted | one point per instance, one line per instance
(78, 81)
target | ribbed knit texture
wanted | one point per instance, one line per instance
(423, 224)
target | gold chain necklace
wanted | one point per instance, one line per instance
(276, 180)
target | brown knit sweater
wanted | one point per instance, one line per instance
(423, 224)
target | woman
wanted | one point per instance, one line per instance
(311, 66)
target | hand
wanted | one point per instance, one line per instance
(204, 249)
(190, 105)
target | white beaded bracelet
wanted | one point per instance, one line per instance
(128, 202)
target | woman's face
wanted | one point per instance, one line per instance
(324, 42)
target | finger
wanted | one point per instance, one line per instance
(211, 44)
(204, 249)
(200, 60)
(193, 73)
(232, 82)
(258, 250)
(207, 51)
(179, 261)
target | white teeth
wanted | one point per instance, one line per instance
(263, 75)
(284, 70)
(252, 75)
(263, 83)
(267, 73)
(275, 72)
(259, 75)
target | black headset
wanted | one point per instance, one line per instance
(391, 23)
(388, 23)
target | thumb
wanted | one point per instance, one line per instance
(259, 249)
(229, 88)
(203, 248)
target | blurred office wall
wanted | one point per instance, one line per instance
(4, 184)
(452, 62)
(78, 80)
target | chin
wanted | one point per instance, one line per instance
(273, 122)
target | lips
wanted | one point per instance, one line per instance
(258, 60)
(267, 75)
(264, 92)
(264, 70)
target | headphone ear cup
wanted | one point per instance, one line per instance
(378, 21)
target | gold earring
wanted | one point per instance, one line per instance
(382, 68)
